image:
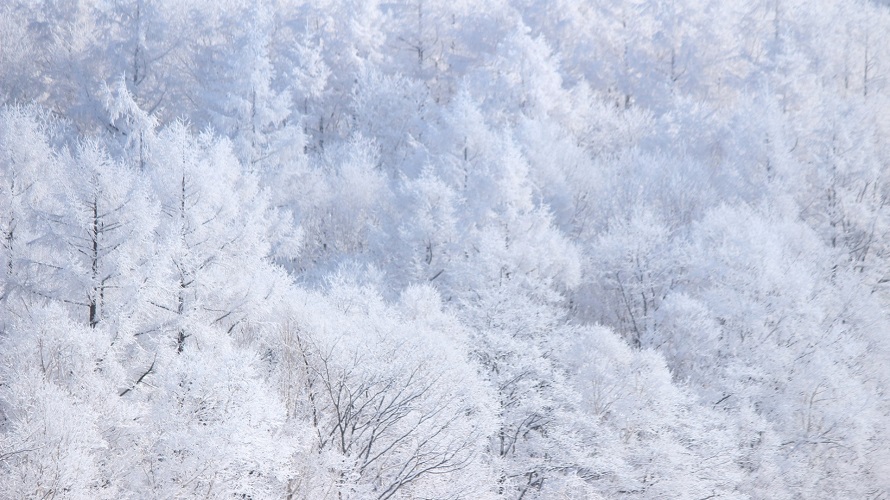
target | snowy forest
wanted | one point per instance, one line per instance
(429, 249)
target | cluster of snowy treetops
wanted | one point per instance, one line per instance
(444, 249)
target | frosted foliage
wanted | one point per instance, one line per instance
(500, 249)
(61, 413)
(196, 444)
(22, 164)
(342, 203)
(635, 407)
(104, 225)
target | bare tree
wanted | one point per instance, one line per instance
(397, 423)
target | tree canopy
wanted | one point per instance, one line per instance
(501, 249)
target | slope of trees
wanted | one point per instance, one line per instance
(504, 249)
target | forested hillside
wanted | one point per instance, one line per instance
(464, 249)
